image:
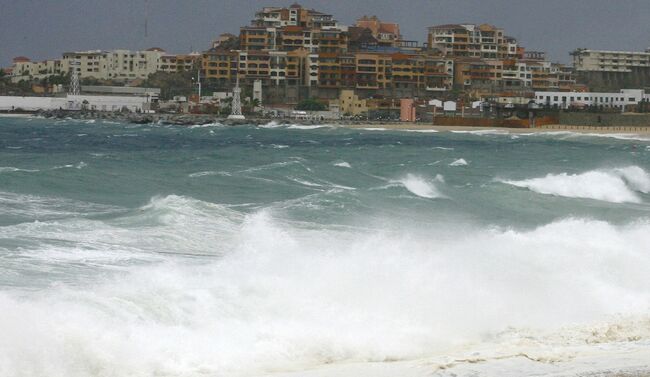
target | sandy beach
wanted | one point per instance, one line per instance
(548, 128)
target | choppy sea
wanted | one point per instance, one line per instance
(151, 250)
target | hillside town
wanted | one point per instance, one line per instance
(293, 60)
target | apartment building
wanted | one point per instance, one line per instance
(473, 41)
(220, 66)
(295, 15)
(25, 69)
(606, 70)
(179, 63)
(120, 65)
(385, 33)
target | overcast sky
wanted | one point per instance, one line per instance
(43, 29)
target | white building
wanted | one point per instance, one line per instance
(70, 102)
(120, 65)
(564, 100)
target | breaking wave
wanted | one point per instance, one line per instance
(343, 164)
(422, 187)
(11, 169)
(459, 162)
(611, 185)
(280, 296)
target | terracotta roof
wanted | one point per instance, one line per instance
(21, 59)
(392, 28)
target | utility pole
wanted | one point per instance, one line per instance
(198, 80)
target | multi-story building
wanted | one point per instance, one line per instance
(120, 65)
(220, 67)
(25, 69)
(385, 33)
(179, 63)
(620, 99)
(474, 41)
(608, 70)
(295, 15)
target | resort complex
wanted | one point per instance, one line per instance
(295, 57)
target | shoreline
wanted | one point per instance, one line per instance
(508, 130)
(201, 119)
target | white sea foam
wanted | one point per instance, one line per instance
(481, 132)
(343, 164)
(572, 134)
(611, 185)
(208, 173)
(271, 124)
(422, 131)
(282, 297)
(308, 127)
(420, 186)
(207, 125)
(459, 162)
(11, 169)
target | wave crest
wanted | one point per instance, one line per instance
(421, 186)
(612, 185)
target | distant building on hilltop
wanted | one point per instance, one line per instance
(473, 41)
(612, 70)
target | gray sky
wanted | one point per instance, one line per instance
(43, 29)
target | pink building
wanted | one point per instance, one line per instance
(407, 113)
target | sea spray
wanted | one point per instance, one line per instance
(285, 297)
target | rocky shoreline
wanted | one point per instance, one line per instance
(188, 119)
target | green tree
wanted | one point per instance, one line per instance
(171, 84)
(311, 104)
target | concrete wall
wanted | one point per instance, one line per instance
(30, 103)
(99, 103)
(605, 120)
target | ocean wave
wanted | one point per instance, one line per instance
(343, 164)
(79, 165)
(308, 127)
(271, 124)
(481, 132)
(432, 131)
(286, 297)
(421, 186)
(207, 125)
(208, 173)
(610, 185)
(39, 208)
(459, 162)
(11, 169)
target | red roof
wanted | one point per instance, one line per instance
(391, 28)
(21, 59)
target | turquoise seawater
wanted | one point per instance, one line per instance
(216, 251)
